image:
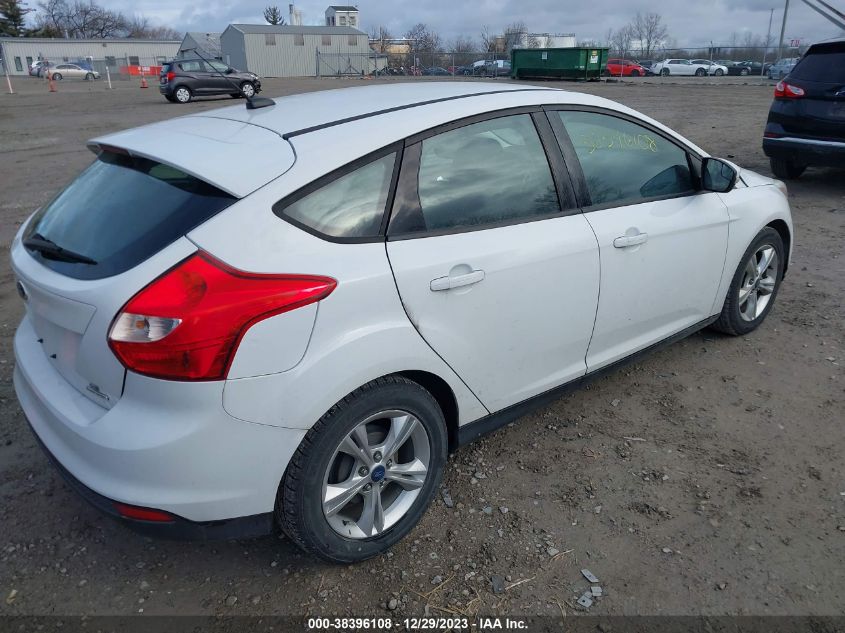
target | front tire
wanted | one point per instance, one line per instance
(719, 72)
(365, 473)
(700, 72)
(664, 72)
(635, 73)
(786, 169)
(89, 77)
(248, 89)
(754, 286)
(744, 72)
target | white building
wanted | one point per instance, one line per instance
(342, 16)
(115, 53)
(296, 51)
(546, 40)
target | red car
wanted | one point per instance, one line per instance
(624, 68)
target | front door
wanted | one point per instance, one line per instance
(662, 243)
(497, 278)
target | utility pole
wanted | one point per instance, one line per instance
(768, 41)
(782, 31)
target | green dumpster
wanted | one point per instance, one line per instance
(558, 63)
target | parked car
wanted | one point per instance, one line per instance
(683, 67)
(437, 71)
(806, 124)
(492, 68)
(72, 71)
(229, 327)
(35, 66)
(624, 68)
(183, 79)
(712, 68)
(757, 69)
(781, 68)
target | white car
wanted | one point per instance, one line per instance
(289, 315)
(72, 71)
(682, 67)
(711, 67)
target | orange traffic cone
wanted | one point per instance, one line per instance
(50, 81)
(144, 82)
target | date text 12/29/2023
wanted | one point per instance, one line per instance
(417, 624)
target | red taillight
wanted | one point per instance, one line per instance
(187, 324)
(171, 75)
(143, 514)
(784, 90)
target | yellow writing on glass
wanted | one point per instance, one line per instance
(594, 141)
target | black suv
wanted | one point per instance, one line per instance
(183, 79)
(806, 123)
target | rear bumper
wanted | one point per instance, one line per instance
(177, 529)
(164, 445)
(806, 151)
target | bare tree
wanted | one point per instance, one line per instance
(273, 15)
(514, 35)
(620, 40)
(58, 18)
(424, 39)
(379, 36)
(650, 31)
(488, 41)
(533, 41)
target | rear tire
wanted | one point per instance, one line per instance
(183, 94)
(738, 315)
(344, 532)
(744, 72)
(786, 169)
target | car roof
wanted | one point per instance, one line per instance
(326, 129)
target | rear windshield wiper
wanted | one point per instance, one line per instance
(51, 250)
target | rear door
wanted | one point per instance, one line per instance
(662, 243)
(820, 113)
(194, 71)
(495, 266)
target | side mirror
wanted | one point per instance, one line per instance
(229, 71)
(717, 175)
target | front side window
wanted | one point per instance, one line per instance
(351, 206)
(218, 67)
(482, 174)
(624, 162)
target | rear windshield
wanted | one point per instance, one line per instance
(823, 63)
(120, 211)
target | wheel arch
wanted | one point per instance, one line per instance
(445, 397)
(783, 230)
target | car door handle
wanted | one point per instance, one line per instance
(447, 283)
(630, 240)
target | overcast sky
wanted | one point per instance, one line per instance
(691, 23)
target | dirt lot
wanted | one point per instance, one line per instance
(731, 500)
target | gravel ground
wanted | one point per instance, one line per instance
(729, 499)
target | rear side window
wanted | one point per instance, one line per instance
(824, 63)
(122, 210)
(351, 206)
(191, 67)
(482, 174)
(624, 162)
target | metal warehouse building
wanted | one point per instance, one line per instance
(296, 51)
(206, 44)
(20, 52)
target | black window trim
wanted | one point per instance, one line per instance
(574, 164)
(394, 148)
(567, 200)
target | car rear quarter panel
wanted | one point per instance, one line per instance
(360, 331)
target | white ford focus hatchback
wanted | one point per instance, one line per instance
(288, 316)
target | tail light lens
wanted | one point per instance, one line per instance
(187, 324)
(784, 90)
(171, 75)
